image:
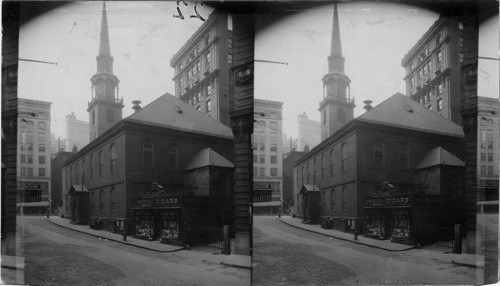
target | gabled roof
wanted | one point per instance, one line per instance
(439, 156)
(401, 111)
(309, 188)
(78, 189)
(208, 157)
(169, 111)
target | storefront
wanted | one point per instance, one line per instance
(411, 219)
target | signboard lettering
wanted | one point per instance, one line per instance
(388, 201)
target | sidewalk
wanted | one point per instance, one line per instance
(381, 244)
(464, 259)
(233, 260)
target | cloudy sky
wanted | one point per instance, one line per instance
(375, 37)
(143, 35)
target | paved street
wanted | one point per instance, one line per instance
(57, 256)
(284, 255)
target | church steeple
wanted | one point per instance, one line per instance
(336, 107)
(105, 107)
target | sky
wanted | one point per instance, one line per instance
(143, 37)
(375, 37)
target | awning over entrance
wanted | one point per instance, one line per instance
(309, 188)
(76, 189)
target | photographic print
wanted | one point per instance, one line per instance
(383, 171)
(124, 151)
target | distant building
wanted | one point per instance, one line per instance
(33, 160)
(267, 157)
(289, 144)
(488, 150)
(309, 132)
(288, 161)
(434, 69)
(56, 145)
(202, 68)
(77, 132)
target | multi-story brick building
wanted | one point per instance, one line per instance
(33, 160)
(308, 132)
(434, 76)
(202, 68)
(267, 157)
(488, 149)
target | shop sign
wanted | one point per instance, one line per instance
(142, 203)
(404, 200)
(166, 201)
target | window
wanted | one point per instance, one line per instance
(23, 140)
(440, 104)
(460, 41)
(30, 172)
(148, 154)
(483, 170)
(274, 147)
(483, 157)
(23, 171)
(302, 175)
(41, 159)
(262, 146)
(41, 147)
(23, 158)
(208, 62)
(173, 164)
(274, 159)
(209, 105)
(344, 157)
(490, 170)
(112, 158)
(404, 155)
(101, 163)
(30, 159)
(332, 161)
(378, 154)
(41, 126)
(101, 200)
(460, 25)
(341, 115)
(71, 175)
(274, 172)
(262, 159)
(461, 57)
(77, 172)
(229, 43)
(332, 199)
(439, 56)
(41, 172)
(490, 157)
(91, 166)
(229, 58)
(112, 201)
(262, 172)
(440, 88)
(297, 178)
(343, 198)
(323, 166)
(110, 115)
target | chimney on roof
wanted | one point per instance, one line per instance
(136, 106)
(368, 105)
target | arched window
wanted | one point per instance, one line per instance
(91, 166)
(83, 172)
(343, 198)
(101, 163)
(110, 115)
(332, 161)
(378, 154)
(173, 163)
(341, 115)
(297, 178)
(344, 157)
(404, 156)
(93, 117)
(148, 154)
(333, 199)
(323, 166)
(112, 158)
(101, 200)
(112, 201)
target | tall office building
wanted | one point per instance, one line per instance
(267, 157)
(33, 157)
(309, 132)
(488, 148)
(77, 133)
(202, 68)
(433, 69)
(289, 144)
